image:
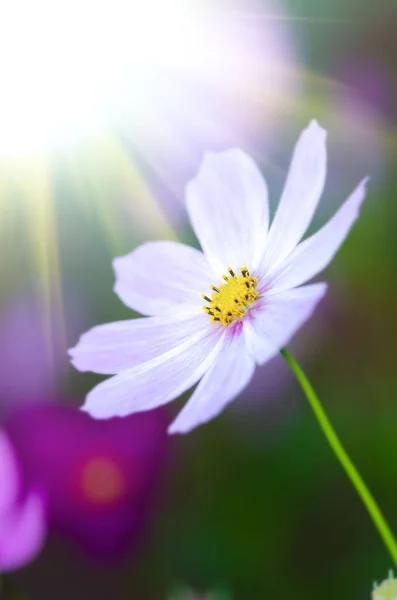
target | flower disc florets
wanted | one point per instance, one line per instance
(230, 300)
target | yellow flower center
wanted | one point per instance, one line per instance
(231, 300)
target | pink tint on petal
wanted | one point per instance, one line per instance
(277, 318)
(271, 381)
(228, 375)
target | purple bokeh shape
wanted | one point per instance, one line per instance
(98, 476)
(22, 520)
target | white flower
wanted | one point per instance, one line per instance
(249, 274)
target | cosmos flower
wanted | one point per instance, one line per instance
(22, 518)
(249, 275)
(98, 476)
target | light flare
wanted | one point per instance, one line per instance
(64, 65)
(103, 481)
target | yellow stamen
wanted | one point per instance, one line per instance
(231, 299)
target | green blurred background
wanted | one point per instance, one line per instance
(254, 502)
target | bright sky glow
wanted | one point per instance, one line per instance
(65, 63)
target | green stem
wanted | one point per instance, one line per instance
(351, 471)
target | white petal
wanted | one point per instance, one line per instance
(162, 278)
(302, 191)
(115, 347)
(220, 385)
(279, 317)
(157, 381)
(228, 208)
(315, 253)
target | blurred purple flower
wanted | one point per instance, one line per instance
(98, 476)
(249, 316)
(22, 519)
